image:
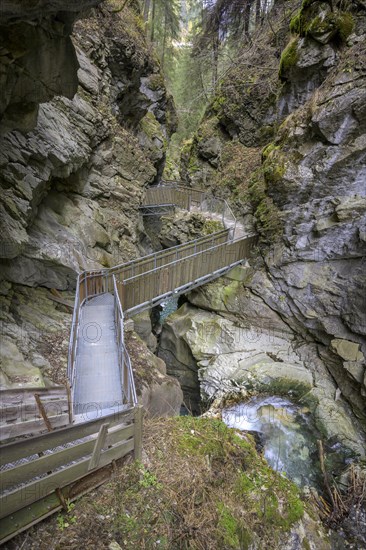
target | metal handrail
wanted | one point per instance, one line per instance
(74, 328)
(128, 386)
(226, 211)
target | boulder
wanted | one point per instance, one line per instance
(160, 394)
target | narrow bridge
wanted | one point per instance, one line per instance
(99, 368)
(41, 474)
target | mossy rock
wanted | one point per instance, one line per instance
(156, 82)
(274, 166)
(316, 19)
(289, 58)
(268, 216)
(211, 226)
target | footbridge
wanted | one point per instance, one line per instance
(99, 421)
(99, 368)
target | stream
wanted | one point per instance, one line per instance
(286, 431)
(288, 435)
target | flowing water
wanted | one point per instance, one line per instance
(168, 307)
(288, 435)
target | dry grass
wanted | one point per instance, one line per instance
(200, 487)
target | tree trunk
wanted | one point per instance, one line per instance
(164, 40)
(258, 13)
(248, 5)
(183, 14)
(215, 61)
(146, 9)
(152, 35)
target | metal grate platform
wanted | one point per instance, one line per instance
(98, 384)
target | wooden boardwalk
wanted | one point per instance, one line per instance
(41, 474)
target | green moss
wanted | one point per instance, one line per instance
(268, 150)
(308, 21)
(268, 217)
(156, 82)
(193, 165)
(218, 103)
(295, 23)
(187, 146)
(211, 226)
(229, 527)
(244, 484)
(230, 291)
(151, 127)
(274, 167)
(289, 57)
(270, 509)
(345, 25)
(192, 442)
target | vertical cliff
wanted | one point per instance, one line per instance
(85, 120)
(285, 138)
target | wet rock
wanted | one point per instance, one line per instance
(160, 394)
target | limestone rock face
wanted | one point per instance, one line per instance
(74, 166)
(307, 194)
(34, 337)
(212, 355)
(38, 60)
(72, 186)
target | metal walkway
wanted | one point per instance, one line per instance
(99, 368)
(98, 385)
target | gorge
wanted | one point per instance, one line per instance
(87, 125)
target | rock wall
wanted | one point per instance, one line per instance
(288, 146)
(85, 119)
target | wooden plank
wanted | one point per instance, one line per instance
(46, 463)
(99, 444)
(27, 447)
(36, 512)
(138, 433)
(36, 490)
(26, 517)
(125, 270)
(8, 431)
(7, 396)
(26, 410)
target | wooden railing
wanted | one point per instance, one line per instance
(34, 483)
(33, 410)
